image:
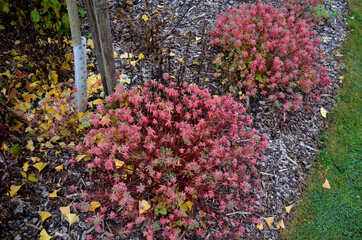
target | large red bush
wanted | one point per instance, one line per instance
(267, 52)
(189, 156)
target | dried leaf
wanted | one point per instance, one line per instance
(269, 221)
(13, 190)
(260, 226)
(40, 166)
(326, 184)
(126, 55)
(143, 206)
(181, 60)
(53, 194)
(59, 168)
(30, 145)
(80, 157)
(35, 159)
(202, 213)
(44, 235)
(44, 216)
(325, 38)
(90, 43)
(323, 112)
(118, 163)
(65, 210)
(133, 63)
(115, 54)
(281, 224)
(72, 218)
(172, 54)
(141, 56)
(25, 166)
(145, 18)
(123, 78)
(287, 209)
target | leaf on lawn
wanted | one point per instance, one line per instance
(326, 184)
(281, 224)
(269, 221)
(65, 210)
(30, 145)
(13, 190)
(44, 216)
(260, 226)
(72, 218)
(143, 206)
(44, 235)
(287, 209)
(324, 112)
(59, 168)
(40, 166)
(53, 194)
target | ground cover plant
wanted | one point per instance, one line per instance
(335, 213)
(171, 159)
(268, 52)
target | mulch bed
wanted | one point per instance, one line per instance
(293, 138)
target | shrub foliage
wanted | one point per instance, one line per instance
(172, 158)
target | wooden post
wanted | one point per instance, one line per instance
(91, 14)
(105, 39)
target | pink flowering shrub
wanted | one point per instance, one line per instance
(267, 52)
(170, 159)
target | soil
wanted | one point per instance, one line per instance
(182, 27)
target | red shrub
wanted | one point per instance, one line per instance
(266, 52)
(189, 155)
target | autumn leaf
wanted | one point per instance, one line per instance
(94, 205)
(186, 206)
(172, 54)
(260, 226)
(80, 157)
(13, 190)
(30, 145)
(181, 60)
(115, 54)
(25, 166)
(59, 168)
(35, 159)
(325, 38)
(133, 63)
(53, 194)
(326, 184)
(269, 221)
(143, 206)
(123, 78)
(145, 18)
(126, 55)
(44, 235)
(40, 166)
(65, 210)
(281, 224)
(90, 43)
(323, 112)
(44, 216)
(287, 209)
(118, 163)
(72, 218)
(141, 56)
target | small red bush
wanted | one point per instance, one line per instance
(266, 52)
(188, 155)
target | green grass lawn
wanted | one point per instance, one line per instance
(336, 213)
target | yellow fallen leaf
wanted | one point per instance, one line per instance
(143, 206)
(260, 226)
(325, 38)
(90, 43)
(133, 63)
(323, 112)
(2, 27)
(71, 145)
(141, 56)
(172, 54)
(59, 168)
(341, 79)
(35, 159)
(326, 184)
(13, 190)
(40, 166)
(30, 145)
(49, 145)
(59, 151)
(44, 235)
(95, 205)
(80, 157)
(72, 218)
(206, 79)
(269, 221)
(44, 216)
(281, 224)
(145, 18)
(186, 206)
(287, 209)
(65, 210)
(25, 166)
(123, 78)
(126, 55)
(115, 54)
(181, 60)
(53, 194)
(54, 139)
(98, 100)
(118, 163)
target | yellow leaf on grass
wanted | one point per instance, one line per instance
(25, 166)
(44, 235)
(40, 166)
(94, 205)
(260, 226)
(59, 168)
(287, 209)
(119, 163)
(30, 145)
(72, 218)
(13, 190)
(141, 56)
(323, 112)
(35, 159)
(145, 18)
(53, 194)
(143, 206)
(326, 184)
(269, 221)
(281, 224)
(44, 216)
(65, 210)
